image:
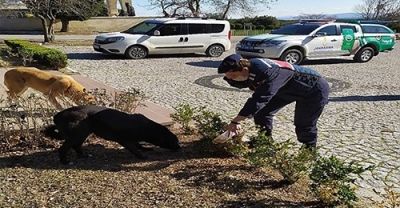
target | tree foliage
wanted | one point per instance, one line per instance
(48, 11)
(215, 8)
(92, 9)
(379, 9)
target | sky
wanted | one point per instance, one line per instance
(281, 8)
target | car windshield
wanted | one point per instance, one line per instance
(296, 29)
(143, 27)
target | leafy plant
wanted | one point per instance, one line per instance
(50, 57)
(183, 115)
(331, 179)
(209, 124)
(292, 165)
(22, 119)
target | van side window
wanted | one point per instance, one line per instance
(329, 30)
(348, 27)
(170, 29)
(374, 29)
(215, 28)
(197, 28)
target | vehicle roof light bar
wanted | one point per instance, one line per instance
(317, 20)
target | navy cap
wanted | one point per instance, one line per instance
(229, 63)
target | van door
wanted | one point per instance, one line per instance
(169, 41)
(326, 42)
(351, 39)
(197, 40)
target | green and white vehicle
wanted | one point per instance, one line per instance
(320, 39)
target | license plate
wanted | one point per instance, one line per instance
(248, 47)
(96, 46)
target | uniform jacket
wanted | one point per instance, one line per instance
(269, 78)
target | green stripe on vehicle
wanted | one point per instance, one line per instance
(348, 39)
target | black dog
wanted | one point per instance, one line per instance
(75, 124)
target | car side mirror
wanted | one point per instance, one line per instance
(320, 34)
(156, 32)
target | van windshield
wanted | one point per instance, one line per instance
(143, 27)
(296, 29)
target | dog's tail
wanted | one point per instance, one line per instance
(51, 132)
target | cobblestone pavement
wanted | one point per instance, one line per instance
(361, 122)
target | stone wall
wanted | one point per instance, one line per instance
(112, 6)
(102, 24)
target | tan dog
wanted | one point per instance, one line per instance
(18, 80)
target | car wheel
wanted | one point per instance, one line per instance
(136, 52)
(215, 50)
(292, 56)
(364, 55)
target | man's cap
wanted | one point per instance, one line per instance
(229, 63)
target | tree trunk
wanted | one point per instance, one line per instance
(64, 25)
(227, 8)
(50, 30)
(45, 29)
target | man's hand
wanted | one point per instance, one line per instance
(235, 128)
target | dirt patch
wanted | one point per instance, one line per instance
(194, 177)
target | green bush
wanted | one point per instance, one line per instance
(50, 57)
(331, 180)
(249, 32)
(292, 165)
(183, 115)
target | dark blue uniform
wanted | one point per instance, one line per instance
(277, 84)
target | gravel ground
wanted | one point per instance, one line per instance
(361, 122)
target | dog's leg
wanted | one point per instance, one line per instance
(74, 139)
(133, 149)
(79, 152)
(53, 100)
(56, 89)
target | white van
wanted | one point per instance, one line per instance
(168, 36)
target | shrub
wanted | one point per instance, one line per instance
(239, 26)
(292, 165)
(22, 119)
(183, 115)
(28, 51)
(209, 124)
(331, 181)
(261, 27)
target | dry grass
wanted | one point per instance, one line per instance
(31, 175)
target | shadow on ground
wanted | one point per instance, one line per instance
(365, 98)
(100, 56)
(107, 159)
(205, 63)
(327, 61)
(215, 64)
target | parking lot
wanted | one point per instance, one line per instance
(360, 123)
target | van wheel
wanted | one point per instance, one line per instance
(215, 50)
(292, 56)
(136, 52)
(364, 55)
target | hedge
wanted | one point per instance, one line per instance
(50, 57)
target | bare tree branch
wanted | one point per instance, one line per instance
(197, 8)
(378, 9)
